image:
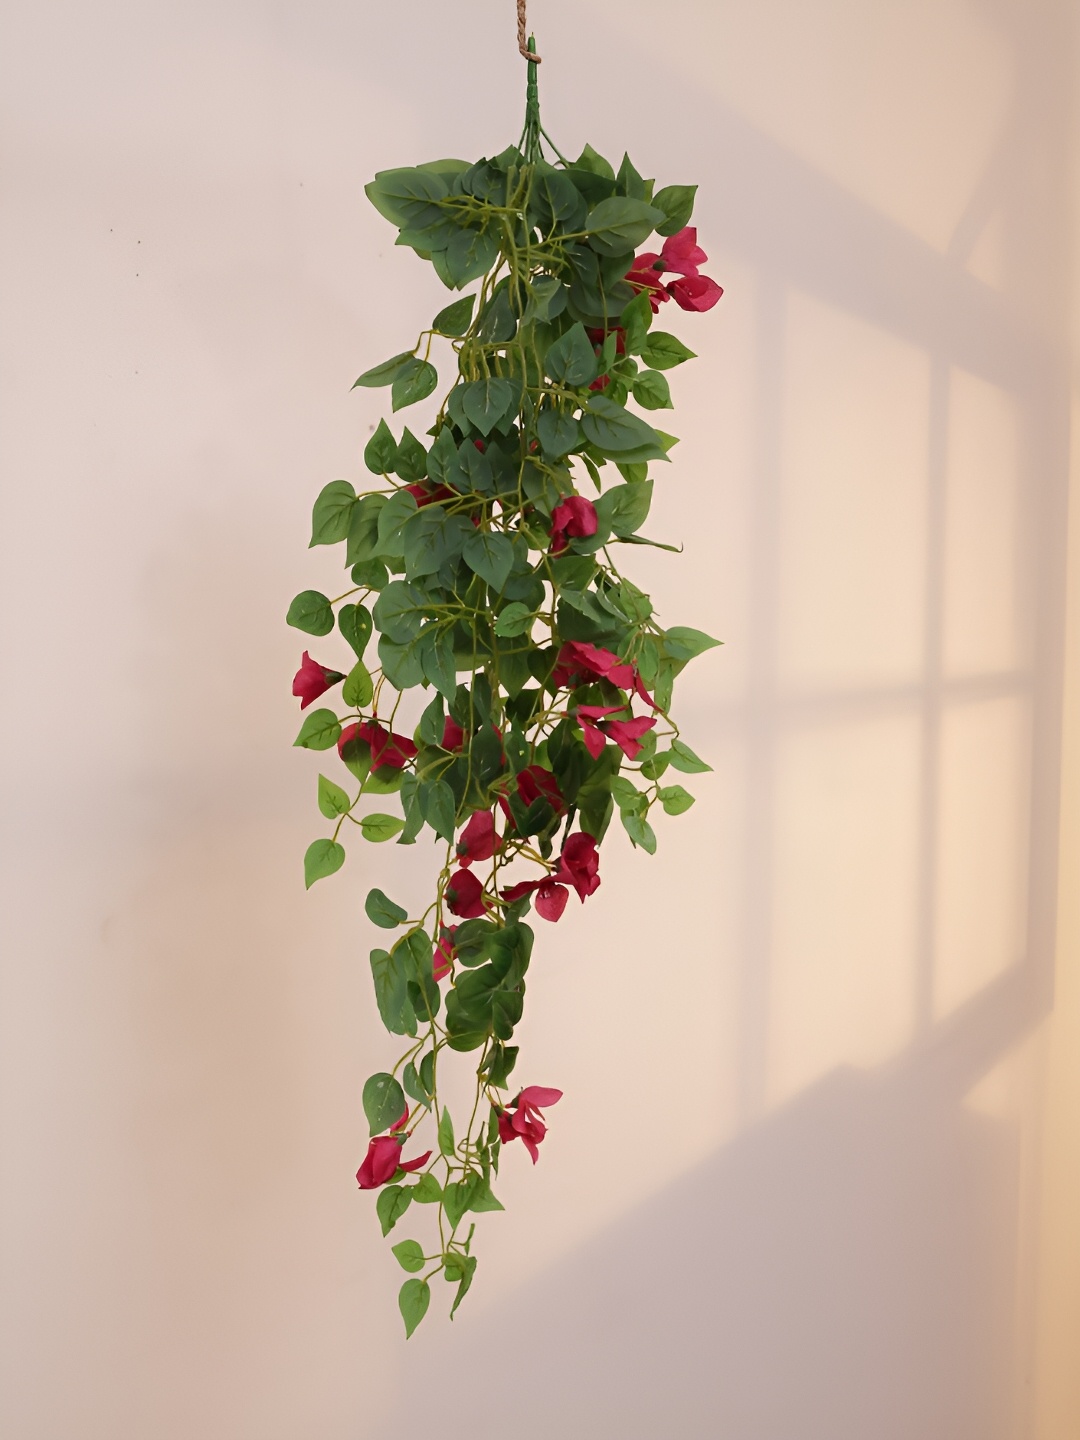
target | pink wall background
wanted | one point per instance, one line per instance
(809, 1176)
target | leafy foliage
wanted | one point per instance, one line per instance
(484, 577)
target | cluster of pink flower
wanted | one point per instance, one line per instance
(520, 1120)
(681, 255)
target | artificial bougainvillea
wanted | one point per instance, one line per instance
(483, 575)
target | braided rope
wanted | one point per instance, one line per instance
(523, 44)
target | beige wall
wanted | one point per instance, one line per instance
(815, 1174)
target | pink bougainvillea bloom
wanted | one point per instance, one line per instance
(400, 1124)
(644, 274)
(578, 662)
(695, 292)
(425, 495)
(453, 736)
(478, 841)
(523, 1121)
(627, 733)
(465, 895)
(579, 864)
(444, 954)
(383, 1160)
(681, 252)
(588, 717)
(386, 747)
(313, 680)
(601, 382)
(574, 517)
(551, 898)
(536, 781)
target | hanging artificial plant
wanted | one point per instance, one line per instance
(491, 581)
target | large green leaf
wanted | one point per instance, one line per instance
(363, 535)
(333, 801)
(617, 433)
(618, 225)
(490, 554)
(652, 391)
(454, 320)
(331, 513)
(571, 359)
(409, 1254)
(311, 612)
(414, 1297)
(382, 911)
(624, 508)
(677, 203)
(431, 538)
(558, 432)
(322, 858)
(354, 622)
(470, 254)
(380, 450)
(384, 1102)
(321, 730)
(391, 1205)
(392, 517)
(662, 351)
(358, 688)
(387, 372)
(399, 611)
(683, 642)
(408, 197)
(378, 827)
(414, 381)
(486, 402)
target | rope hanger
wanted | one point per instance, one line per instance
(523, 44)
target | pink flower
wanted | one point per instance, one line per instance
(425, 495)
(578, 662)
(681, 255)
(681, 252)
(590, 718)
(382, 1161)
(523, 1121)
(478, 841)
(574, 516)
(696, 292)
(535, 781)
(386, 747)
(453, 736)
(579, 864)
(465, 895)
(551, 898)
(626, 733)
(313, 679)
(444, 954)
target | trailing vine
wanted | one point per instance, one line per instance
(492, 583)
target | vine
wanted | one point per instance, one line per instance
(491, 581)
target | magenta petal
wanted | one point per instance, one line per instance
(551, 900)
(593, 738)
(541, 1095)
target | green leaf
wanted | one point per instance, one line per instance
(382, 911)
(618, 225)
(514, 619)
(320, 731)
(410, 459)
(498, 324)
(409, 197)
(386, 373)
(380, 450)
(321, 858)
(635, 321)
(591, 160)
(652, 391)
(333, 800)
(677, 203)
(391, 993)
(363, 536)
(640, 831)
(435, 648)
(354, 622)
(414, 381)
(490, 555)
(675, 799)
(401, 664)
(414, 1297)
(409, 1255)
(384, 1102)
(663, 351)
(630, 182)
(468, 1268)
(470, 254)
(615, 432)
(682, 642)
(428, 1191)
(547, 298)
(624, 507)
(399, 611)
(446, 1134)
(559, 432)
(454, 320)
(331, 513)
(391, 1205)
(684, 759)
(379, 827)
(482, 1200)
(486, 402)
(571, 359)
(311, 612)
(475, 468)
(438, 807)
(431, 538)
(358, 688)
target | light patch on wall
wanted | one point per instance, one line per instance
(985, 767)
(983, 601)
(846, 860)
(853, 509)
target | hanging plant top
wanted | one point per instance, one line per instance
(490, 576)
